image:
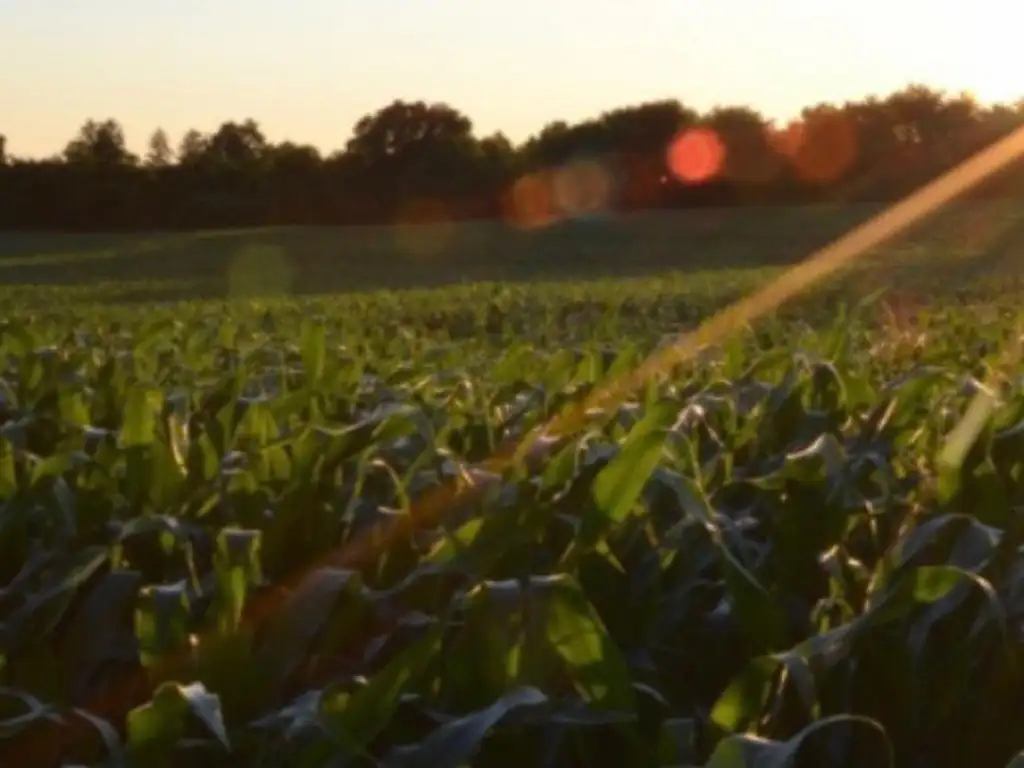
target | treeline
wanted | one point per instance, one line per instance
(417, 161)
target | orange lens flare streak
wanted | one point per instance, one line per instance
(815, 268)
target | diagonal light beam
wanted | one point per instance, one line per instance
(820, 265)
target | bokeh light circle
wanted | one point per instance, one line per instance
(530, 201)
(582, 187)
(696, 155)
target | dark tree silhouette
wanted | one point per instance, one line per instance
(413, 160)
(238, 146)
(99, 144)
(296, 182)
(159, 154)
(192, 148)
(413, 151)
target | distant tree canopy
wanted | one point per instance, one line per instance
(414, 161)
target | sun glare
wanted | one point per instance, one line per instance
(991, 66)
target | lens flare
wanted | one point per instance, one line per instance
(821, 148)
(696, 156)
(581, 188)
(529, 203)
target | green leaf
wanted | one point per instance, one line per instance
(456, 542)
(18, 340)
(967, 430)
(748, 751)
(921, 586)
(932, 583)
(74, 409)
(757, 612)
(314, 350)
(161, 621)
(51, 466)
(356, 718)
(100, 630)
(237, 568)
(138, 422)
(579, 637)
(157, 726)
(8, 473)
(300, 715)
(487, 652)
(740, 705)
(618, 485)
(35, 711)
(294, 627)
(45, 609)
(453, 744)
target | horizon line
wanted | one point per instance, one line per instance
(771, 120)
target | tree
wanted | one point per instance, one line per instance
(294, 175)
(192, 148)
(552, 145)
(160, 154)
(750, 159)
(421, 161)
(914, 111)
(404, 127)
(237, 145)
(647, 127)
(640, 136)
(293, 160)
(410, 150)
(497, 157)
(100, 144)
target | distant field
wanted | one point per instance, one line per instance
(173, 266)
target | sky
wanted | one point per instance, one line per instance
(306, 70)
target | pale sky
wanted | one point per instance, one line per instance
(306, 70)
